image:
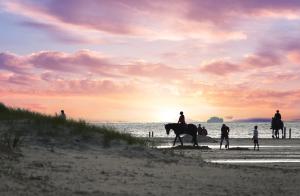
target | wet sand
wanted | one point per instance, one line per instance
(272, 152)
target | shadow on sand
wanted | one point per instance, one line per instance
(191, 147)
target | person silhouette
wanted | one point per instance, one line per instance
(62, 115)
(199, 130)
(204, 131)
(255, 137)
(224, 135)
(181, 119)
(277, 115)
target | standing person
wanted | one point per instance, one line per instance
(224, 135)
(255, 137)
(199, 130)
(204, 131)
(62, 115)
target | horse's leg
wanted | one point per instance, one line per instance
(273, 133)
(221, 142)
(195, 140)
(175, 140)
(227, 143)
(180, 141)
(282, 133)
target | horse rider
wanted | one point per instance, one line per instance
(277, 124)
(181, 120)
(277, 115)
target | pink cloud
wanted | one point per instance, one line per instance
(220, 68)
(22, 79)
(87, 63)
(25, 85)
(228, 12)
(12, 62)
(84, 71)
(110, 16)
(262, 59)
(284, 77)
(83, 61)
(259, 60)
(87, 20)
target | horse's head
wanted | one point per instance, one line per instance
(168, 128)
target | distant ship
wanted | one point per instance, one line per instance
(215, 120)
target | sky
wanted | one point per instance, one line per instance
(147, 60)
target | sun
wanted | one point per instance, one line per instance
(168, 115)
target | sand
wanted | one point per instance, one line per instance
(83, 168)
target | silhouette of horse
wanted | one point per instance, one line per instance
(276, 125)
(179, 129)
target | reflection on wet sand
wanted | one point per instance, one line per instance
(228, 161)
(272, 152)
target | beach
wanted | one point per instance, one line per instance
(84, 168)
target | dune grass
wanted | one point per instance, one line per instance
(54, 126)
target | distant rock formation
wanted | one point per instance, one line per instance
(215, 120)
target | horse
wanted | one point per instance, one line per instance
(179, 129)
(276, 125)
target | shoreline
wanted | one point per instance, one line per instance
(167, 141)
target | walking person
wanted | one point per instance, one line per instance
(224, 135)
(255, 138)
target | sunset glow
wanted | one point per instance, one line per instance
(147, 60)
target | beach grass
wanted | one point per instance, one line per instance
(54, 126)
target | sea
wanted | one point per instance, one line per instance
(237, 129)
